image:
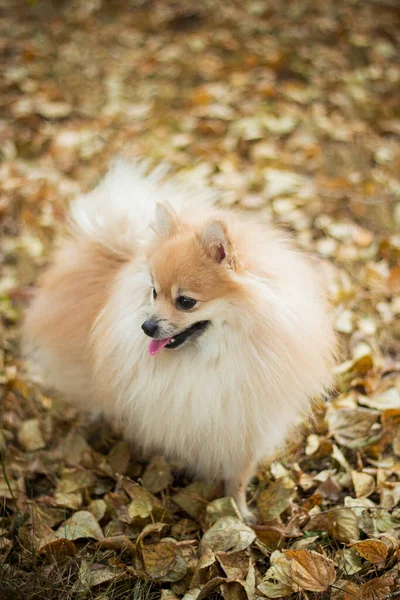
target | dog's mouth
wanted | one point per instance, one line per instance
(177, 340)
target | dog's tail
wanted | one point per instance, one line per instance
(119, 212)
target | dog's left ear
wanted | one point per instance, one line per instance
(166, 220)
(217, 244)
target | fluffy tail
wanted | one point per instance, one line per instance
(119, 212)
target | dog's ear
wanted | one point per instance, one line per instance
(166, 223)
(217, 244)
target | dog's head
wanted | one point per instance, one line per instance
(192, 271)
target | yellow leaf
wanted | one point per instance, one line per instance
(364, 484)
(310, 570)
(374, 551)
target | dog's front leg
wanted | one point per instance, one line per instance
(236, 487)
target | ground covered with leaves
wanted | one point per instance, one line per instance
(290, 109)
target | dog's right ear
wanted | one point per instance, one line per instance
(166, 220)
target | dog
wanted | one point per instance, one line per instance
(204, 331)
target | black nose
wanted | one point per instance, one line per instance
(150, 327)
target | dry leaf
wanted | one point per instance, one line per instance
(345, 525)
(228, 534)
(119, 457)
(311, 571)
(157, 476)
(376, 589)
(364, 484)
(82, 524)
(164, 561)
(277, 582)
(144, 507)
(235, 565)
(374, 551)
(30, 436)
(276, 498)
(351, 428)
(222, 507)
(195, 497)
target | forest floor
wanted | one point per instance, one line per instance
(290, 109)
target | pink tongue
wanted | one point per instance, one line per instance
(157, 345)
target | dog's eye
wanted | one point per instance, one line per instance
(185, 303)
(154, 293)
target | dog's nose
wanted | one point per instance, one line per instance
(150, 327)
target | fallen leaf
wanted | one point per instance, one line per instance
(144, 507)
(157, 476)
(228, 534)
(376, 521)
(195, 497)
(376, 589)
(277, 582)
(74, 480)
(349, 562)
(164, 561)
(310, 570)
(117, 542)
(222, 507)
(119, 457)
(351, 428)
(98, 509)
(82, 524)
(30, 436)
(374, 551)
(364, 484)
(345, 525)
(235, 565)
(276, 498)
(271, 535)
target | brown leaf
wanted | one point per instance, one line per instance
(195, 497)
(351, 591)
(59, 547)
(157, 476)
(209, 587)
(235, 565)
(119, 457)
(311, 571)
(274, 500)
(376, 589)
(374, 551)
(164, 561)
(117, 542)
(232, 590)
(271, 535)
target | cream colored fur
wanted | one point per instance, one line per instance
(228, 399)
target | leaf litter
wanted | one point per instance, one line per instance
(291, 110)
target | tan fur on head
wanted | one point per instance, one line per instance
(228, 396)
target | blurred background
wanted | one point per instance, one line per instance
(291, 109)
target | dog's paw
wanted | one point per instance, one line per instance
(249, 517)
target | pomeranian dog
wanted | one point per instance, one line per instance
(204, 331)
